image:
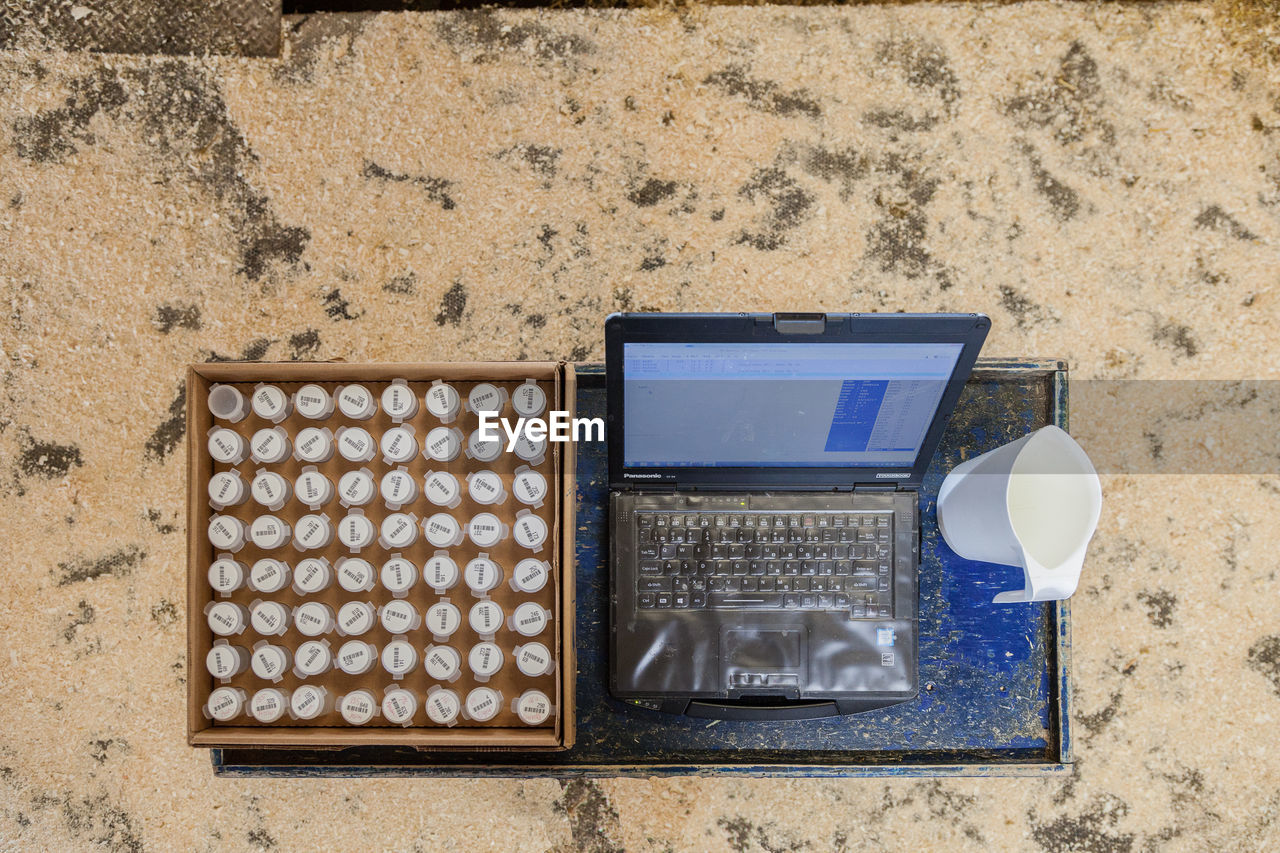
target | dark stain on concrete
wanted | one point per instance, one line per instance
(307, 34)
(453, 305)
(1160, 606)
(51, 135)
(165, 613)
(1264, 658)
(436, 189)
(651, 192)
(47, 460)
(1063, 200)
(1024, 310)
(405, 284)
(490, 34)
(899, 120)
(535, 321)
(100, 749)
(579, 353)
(96, 819)
(1178, 337)
(787, 203)
(304, 345)
(164, 528)
(652, 260)
(1214, 218)
(764, 95)
(337, 307)
(170, 317)
(835, 165)
(1098, 720)
(84, 616)
(164, 439)
(117, 564)
(592, 818)
(924, 65)
(898, 240)
(1095, 830)
(1067, 101)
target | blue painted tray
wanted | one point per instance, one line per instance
(994, 681)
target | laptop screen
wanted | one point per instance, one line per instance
(781, 404)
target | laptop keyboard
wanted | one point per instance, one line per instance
(828, 561)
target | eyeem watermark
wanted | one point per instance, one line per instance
(560, 427)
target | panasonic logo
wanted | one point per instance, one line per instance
(642, 476)
(892, 476)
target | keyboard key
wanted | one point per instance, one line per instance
(653, 585)
(749, 585)
(664, 599)
(680, 600)
(800, 584)
(809, 602)
(649, 552)
(698, 600)
(717, 584)
(667, 552)
(647, 601)
(650, 567)
(861, 583)
(742, 601)
(681, 584)
(841, 601)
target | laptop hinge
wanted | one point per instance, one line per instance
(647, 488)
(878, 487)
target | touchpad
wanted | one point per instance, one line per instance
(770, 659)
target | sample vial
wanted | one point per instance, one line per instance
(400, 617)
(269, 532)
(443, 444)
(225, 704)
(226, 575)
(399, 658)
(313, 619)
(227, 533)
(313, 488)
(269, 446)
(314, 445)
(534, 659)
(529, 531)
(268, 576)
(442, 662)
(312, 401)
(355, 444)
(227, 446)
(485, 617)
(356, 657)
(442, 489)
(398, 488)
(312, 575)
(354, 574)
(481, 450)
(313, 658)
(530, 575)
(485, 660)
(482, 574)
(486, 398)
(440, 572)
(530, 619)
(269, 618)
(226, 489)
(269, 662)
(528, 400)
(485, 487)
(226, 618)
(533, 707)
(226, 661)
(399, 706)
(269, 704)
(486, 530)
(442, 620)
(358, 707)
(355, 618)
(442, 402)
(483, 704)
(309, 702)
(355, 531)
(270, 489)
(270, 403)
(442, 530)
(227, 404)
(356, 488)
(529, 486)
(442, 706)
(313, 531)
(399, 530)
(531, 450)
(355, 402)
(398, 445)
(398, 401)
(398, 576)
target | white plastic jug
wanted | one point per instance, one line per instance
(1032, 503)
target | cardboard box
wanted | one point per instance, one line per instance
(203, 732)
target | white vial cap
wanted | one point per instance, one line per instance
(354, 574)
(533, 707)
(270, 403)
(440, 572)
(443, 707)
(227, 403)
(400, 617)
(533, 659)
(268, 705)
(313, 658)
(442, 662)
(529, 531)
(313, 488)
(226, 575)
(313, 619)
(486, 488)
(442, 401)
(399, 530)
(486, 398)
(398, 488)
(356, 488)
(398, 401)
(483, 704)
(270, 662)
(528, 400)
(399, 575)
(355, 444)
(486, 530)
(270, 489)
(226, 533)
(269, 618)
(312, 401)
(530, 575)
(269, 445)
(442, 530)
(226, 445)
(270, 532)
(356, 657)
(355, 402)
(443, 444)
(313, 531)
(485, 659)
(485, 617)
(225, 703)
(308, 702)
(226, 489)
(530, 449)
(482, 574)
(355, 618)
(314, 445)
(530, 619)
(443, 619)
(226, 618)
(399, 658)
(399, 706)
(481, 450)
(225, 661)
(355, 531)
(358, 707)
(529, 486)
(312, 575)
(268, 575)
(442, 489)
(398, 445)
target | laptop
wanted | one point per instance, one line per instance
(765, 535)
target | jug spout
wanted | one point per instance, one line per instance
(1045, 583)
